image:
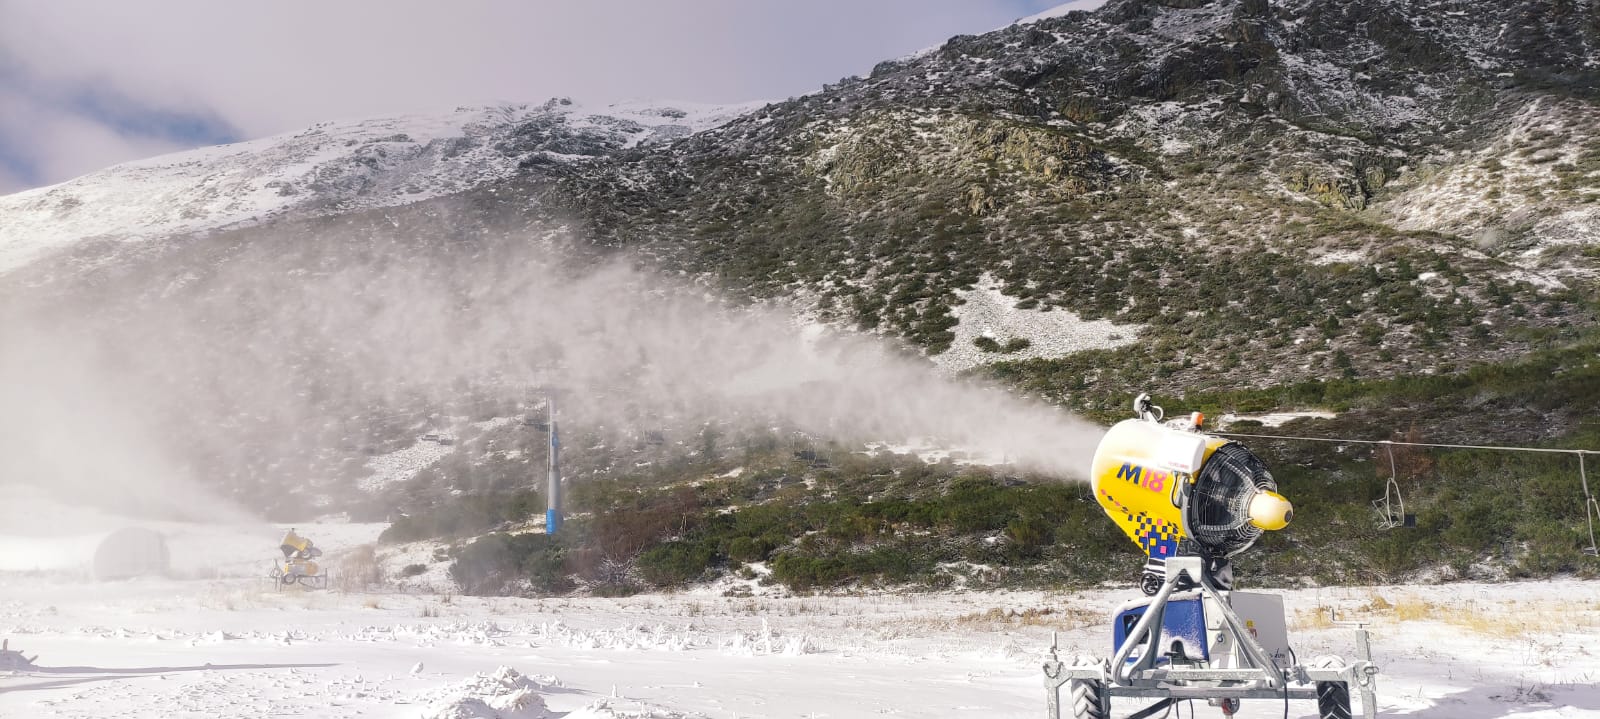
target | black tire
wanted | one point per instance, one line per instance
(1151, 583)
(290, 579)
(1090, 699)
(1333, 700)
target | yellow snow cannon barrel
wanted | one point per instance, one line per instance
(1163, 485)
(294, 544)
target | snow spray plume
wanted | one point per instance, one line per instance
(72, 427)
(265, 363)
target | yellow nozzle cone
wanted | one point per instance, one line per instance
(1269, 510)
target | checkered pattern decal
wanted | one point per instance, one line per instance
(1158, 537)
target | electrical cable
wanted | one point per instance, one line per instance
(1286, 696)
(1336, 440)
(1294, 660)
(1591, 505)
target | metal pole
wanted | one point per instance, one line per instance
(552, 513)
(1590, 507)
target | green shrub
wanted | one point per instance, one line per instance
(497, 564)
(676, 563)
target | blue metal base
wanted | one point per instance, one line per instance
(1184, 622)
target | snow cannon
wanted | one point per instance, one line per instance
(1175, 490)
(1193, 501)
(299, 564)
(293, 544)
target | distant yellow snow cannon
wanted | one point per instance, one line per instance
(1192, 501)
(299, 563)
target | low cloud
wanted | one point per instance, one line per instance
(53, 130)
(10, 181)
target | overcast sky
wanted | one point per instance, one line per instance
(84, 85)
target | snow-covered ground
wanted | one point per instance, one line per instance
(986, 311)
(403, 464)
(1494, 194)
(232, 648)
(1060, 10)
(933, 451)
(1273, 419)
(221, 642)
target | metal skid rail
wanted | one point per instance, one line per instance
(1179, 683)
(1130, 676)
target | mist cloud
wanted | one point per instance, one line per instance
(203, 381)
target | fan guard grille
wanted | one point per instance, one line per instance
(1219, 504)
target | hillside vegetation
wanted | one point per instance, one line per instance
(861, 520)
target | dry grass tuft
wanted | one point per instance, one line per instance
(1330, 616)
(1508, 620)
(1417, 610)
(1315, 618)
(1029, 617)
(359, 570)
(1378, 604)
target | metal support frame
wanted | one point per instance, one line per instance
(1256, 677)
(1591, 508)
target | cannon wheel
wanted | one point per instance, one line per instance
(1090, 699)
(1333, 700)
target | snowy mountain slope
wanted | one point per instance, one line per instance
(1061, 10)
(1048, 14)
(330, 168)
(1531, 189)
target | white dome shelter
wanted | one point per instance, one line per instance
(131, 552)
